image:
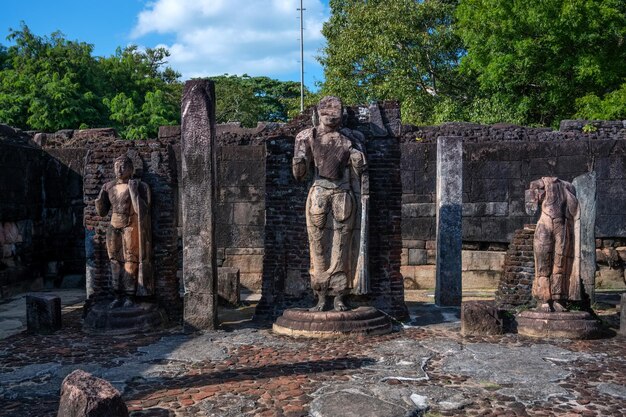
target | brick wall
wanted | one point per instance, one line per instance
(155, 164)
(286, 281)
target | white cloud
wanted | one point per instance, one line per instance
(257, 37)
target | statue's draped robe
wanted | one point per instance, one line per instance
(556, 276)
(336, 210)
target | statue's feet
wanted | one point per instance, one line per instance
(544, 307)
(116, 303)
(339, 305)
(321, 303)
(558, 307)
(128, 302)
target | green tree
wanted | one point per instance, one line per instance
(249, 99)
(533, 59)
(610, 107)
(142, 94)
(49, 83)
(404, 49)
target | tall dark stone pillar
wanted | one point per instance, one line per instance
(448, 290)
(199, 182)
(585, 238)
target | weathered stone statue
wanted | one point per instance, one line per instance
(557, 279)
(129, 235)
(336, 207)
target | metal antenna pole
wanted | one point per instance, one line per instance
(301, 9)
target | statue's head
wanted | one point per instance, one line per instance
(123, 167)
(330, 111)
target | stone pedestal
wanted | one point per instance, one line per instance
(448, 290)
(139, 318)
(480, 318)
(566, 325)
(329, 324)
(43, 313)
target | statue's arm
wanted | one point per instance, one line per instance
(103, 203)
(139, 195)
(302, 154)
(358, 159)
(538, 188)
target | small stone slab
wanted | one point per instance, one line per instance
(480, 318)
(354, 404)
(43, 313)
(566, 325)
(84, 395)
(139, 318)
(299, 322)
(228, 286)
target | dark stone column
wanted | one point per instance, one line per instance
(585, 231)
(199, 182)
(448, 290)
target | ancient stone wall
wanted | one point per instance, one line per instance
(155, 164)
(241, 196)
(41, 209)
(499, 162)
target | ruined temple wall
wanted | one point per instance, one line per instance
(41, 209)
(498, 164)
(155, 164)
(241, 197)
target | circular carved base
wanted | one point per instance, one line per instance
(139, 318)
(567, 325)
(299, 322)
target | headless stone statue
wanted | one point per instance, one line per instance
(556, 281)
(128, 237)
(336, 207)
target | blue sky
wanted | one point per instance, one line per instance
(205, 37)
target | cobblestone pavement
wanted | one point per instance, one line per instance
(246, 371)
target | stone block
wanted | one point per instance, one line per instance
(480, 318)
(418, 256)
(609, 278)
(43, 313)
(418, 277)
(248, 213)
(84, 395)
(473, 260)
(480, 280)
(251, 281)
(228, 286)
(418, 210)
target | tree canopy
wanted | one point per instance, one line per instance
(536, 58)
(405, 50)
(49, 83)
(249, 100)
(485, 61)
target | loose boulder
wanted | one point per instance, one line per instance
(479, 318)
(84, 395)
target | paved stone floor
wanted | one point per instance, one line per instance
(423, 368)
